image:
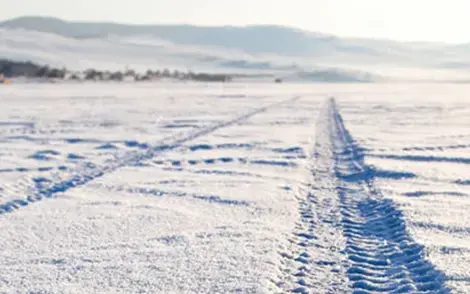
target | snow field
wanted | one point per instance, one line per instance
(195, 217)
(256, 189)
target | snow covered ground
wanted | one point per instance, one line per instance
(259, 188)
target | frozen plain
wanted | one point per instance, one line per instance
(257, 188)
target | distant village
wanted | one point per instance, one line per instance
(13, 69)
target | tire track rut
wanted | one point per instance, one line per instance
(357, 240)
(89, 171)
(383, 257)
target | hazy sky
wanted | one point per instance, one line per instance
(411, 20)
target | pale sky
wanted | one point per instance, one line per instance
(406, 20)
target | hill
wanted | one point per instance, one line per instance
(254, 40)
(259, 48)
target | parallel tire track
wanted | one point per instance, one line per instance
(90, 171)
(349, 238)
(315, 261)
(383, 257)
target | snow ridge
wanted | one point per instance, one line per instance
(348, 237)
(90, 171)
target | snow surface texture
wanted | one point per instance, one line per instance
(348, 229)
(195, 189)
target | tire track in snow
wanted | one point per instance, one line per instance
(349, 238)
(89, 171)
(383, 257)
(316, 262)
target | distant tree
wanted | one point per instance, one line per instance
(43, 72)
(205, 77)
(184, 76)
(6, 69)
(19, 68)
(166, 73)
(175, 74)
(149, 73)
(55, 73)
(190, 75)
(74, 77)
(116, 76)
(130, 73)
(140, 78)
(93, 75)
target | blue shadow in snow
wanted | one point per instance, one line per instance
(462, 182)
(44, 155)
(429, 193)
(210, 161)
(423, 158)
(220, 146)
(107, 146)
(440, 227)
(209, 198)
(135, 144)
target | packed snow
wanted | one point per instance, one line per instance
(259, 188)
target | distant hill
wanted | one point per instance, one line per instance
(250, 39)
(265, 48)
(254, 39)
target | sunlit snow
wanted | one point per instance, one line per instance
(258, 188)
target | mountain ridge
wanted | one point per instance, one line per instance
(254, 39)
(19, 19)
(253, 47)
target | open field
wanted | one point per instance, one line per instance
(258, 188)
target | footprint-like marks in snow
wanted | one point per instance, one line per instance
(288, 152)
(25, 124)
(211, 161)
(430, 193)
(73, 156)
(44, 155)
(48, 155)
(160, 193)
(423, 158)
(434, 148)
(135, 144)
(39, 169)
(107, 146)
(462, 182)
(199, 147)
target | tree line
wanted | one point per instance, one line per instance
(12, 69)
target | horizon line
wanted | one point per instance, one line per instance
(294, 28)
